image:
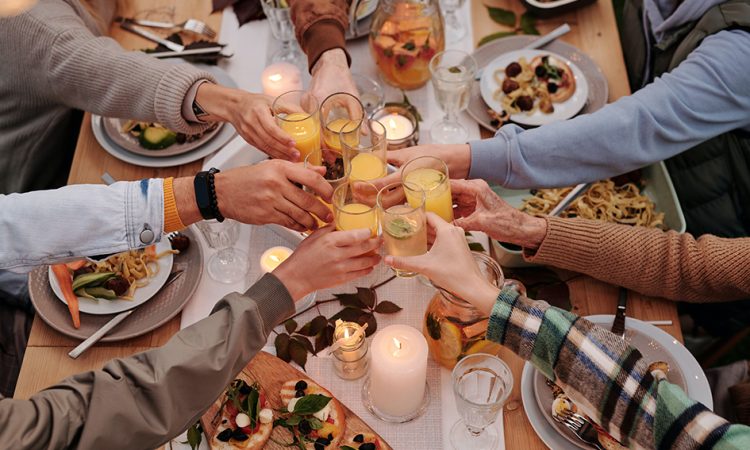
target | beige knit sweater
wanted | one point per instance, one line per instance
(55, 60)
(657, 263)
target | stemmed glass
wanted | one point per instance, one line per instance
(481, 384)
(454, 29)
(229, 265)
(452, 75)
(282, 29)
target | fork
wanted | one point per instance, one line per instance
(580, 426)
(194, 25)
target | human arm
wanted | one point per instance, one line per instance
(607, 379)
(143, 400)
(651, 261)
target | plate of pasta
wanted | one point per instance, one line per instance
(534, 87)
(121, 281)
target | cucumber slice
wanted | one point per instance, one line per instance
(157, 138)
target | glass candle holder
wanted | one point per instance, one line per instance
(340, 112)
(298, 114)
(350, 358)
(401, 126)
(364, 149)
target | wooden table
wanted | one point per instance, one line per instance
(593, 30)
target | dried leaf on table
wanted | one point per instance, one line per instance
(367, 296)
(350, 300)
(282, 347)
(347, 315)
(298, 353)
(313, 327)
(528, 24)
(372, 323)
(305, 343)
(290, 326)
(502, 16)
(386, 307)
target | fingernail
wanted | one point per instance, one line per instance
(388, 260)
(295, 155)
(329, 218)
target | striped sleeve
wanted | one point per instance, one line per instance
(607, 379)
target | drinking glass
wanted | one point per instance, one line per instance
(370, 93)
(354, 206)
(298, 114)
(282, 28)
(452, 76)
(364, 149)
(403, 223)
(430, 174)
(335, 174)
(481, 385)
(340, 112)
(229, 265)
(454, 29)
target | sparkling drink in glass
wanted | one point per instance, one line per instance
(335, 175)
(481, 385)
(403, 223)
(453, 73)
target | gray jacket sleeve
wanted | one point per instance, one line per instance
(146, 399)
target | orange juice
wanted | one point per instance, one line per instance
(332, 130)
(367, 166)
(437, 189)
(305, 130)
(353, 216)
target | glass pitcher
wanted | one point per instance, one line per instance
(404, 36)
(454, 328)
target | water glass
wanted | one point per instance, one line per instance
(481, 384)
(364, 149)
(403, 223)
(229, 265)
(282, 28)
(298, 114)
(453, 73)
(454, 29)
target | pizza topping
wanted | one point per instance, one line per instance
(242, 420)
(322, 415)
(292, 403)
(265, 415)
(307, 419)
(510, 85)
(300, 386)
(239, 435)
(359, 438)
(299, 394)
(225, 435)
(367, 446)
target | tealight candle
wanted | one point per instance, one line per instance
(349, 350)
(281, 77)
(397, 127)
(401, 126)
(399, 371)
(274, 256)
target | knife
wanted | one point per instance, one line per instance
(618, 326)
(191, 52)
(135, 29)
(568, 199)
(101, 332)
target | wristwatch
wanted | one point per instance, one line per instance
(205, 195)
(198, 110)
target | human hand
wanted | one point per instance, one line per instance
(480, 209)
(251, 116)
(344, 255)
(450, 265)
(456, 156)
(266, 193)
(331, 74)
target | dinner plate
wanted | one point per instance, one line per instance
(166, 304)
(655, 345)
(112, 127)
(597, 82)
(562, 111)
(140, 296)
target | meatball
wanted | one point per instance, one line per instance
(513, 69)
(510, 85)
(83, 270)
(118, 285)
(180, 242)
(525, 103)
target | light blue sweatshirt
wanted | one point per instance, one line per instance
(705, 96)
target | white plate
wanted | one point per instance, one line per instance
(112, 127)
(365, 8)
(563, 111)
(654, 343)
(141, 295)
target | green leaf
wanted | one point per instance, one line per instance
(476, 246)
(291, 326)
(347, 315)
(315, 424)
(305, 343)
(253, 406)
(194, 436)
(298, 353)
(528, 24)
(386, 307)
(320, 343)
(372, 323)
(493, 36)
(314, 327)
(293, 420)
(100, 292)
(282, 347)
(310, 404)
(502, 16)
(350, 300)
(367, 296)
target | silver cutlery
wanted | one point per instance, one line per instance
(660, 323)
(618, 326)
(107, 327)
(108, 179)
(191, 52)
(577, 191)
(580, 426)
(538, 43)
(128, 25)
(193, 25)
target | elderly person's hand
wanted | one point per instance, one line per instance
(456, 156)
(346, 255)
(331, 74)
(251, 116)
(480, 209)
(450, 265)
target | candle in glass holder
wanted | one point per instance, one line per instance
(350, 350)
(279, 78)
(273, 257)
(398, 374)
(397, 127)
(401, 126)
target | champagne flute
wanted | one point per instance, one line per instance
(340, 112)
(452, 76)
(354, 206)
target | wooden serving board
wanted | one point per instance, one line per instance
(271, 373)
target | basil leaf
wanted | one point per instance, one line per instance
(91, 279)
(315, 423)
(293, 420)
(253, 403)
(194, 436)
(346, 447)
(310, 404)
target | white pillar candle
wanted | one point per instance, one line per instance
(274, 256)
(397, 127)
(281, 77)
(398, 371)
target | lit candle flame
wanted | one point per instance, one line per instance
(275, 77)
(275, 258)
(397, 343)
(392, 124)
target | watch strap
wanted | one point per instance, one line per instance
(205, 195)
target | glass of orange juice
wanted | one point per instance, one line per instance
(364, 150)
(335, 174)
(354, 206)
(430, 174)
(403, 222)
(298, 114)
(340, 112)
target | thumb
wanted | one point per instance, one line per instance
(407, 263)
(469, 223)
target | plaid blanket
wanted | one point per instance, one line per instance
(607, 379)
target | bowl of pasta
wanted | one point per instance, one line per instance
(533, 87)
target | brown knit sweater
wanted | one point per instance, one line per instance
(657, 263)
